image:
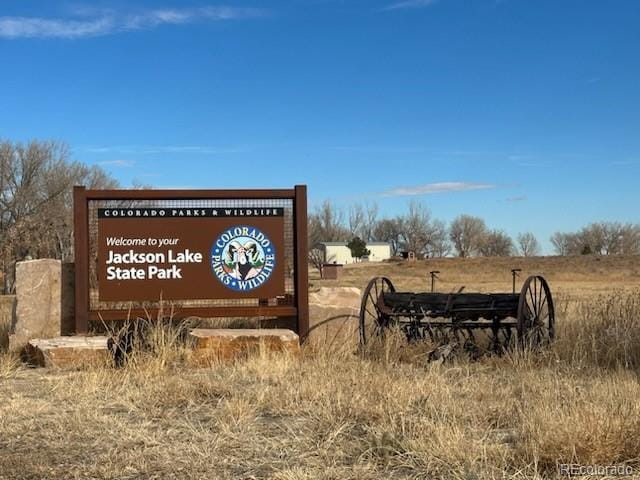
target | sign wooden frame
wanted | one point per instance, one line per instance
(300, 308)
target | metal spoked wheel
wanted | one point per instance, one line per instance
(374, 314)
(536, 314)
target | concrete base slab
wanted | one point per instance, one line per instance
(214, 345)
(66, 352)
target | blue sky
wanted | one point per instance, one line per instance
(524, 112)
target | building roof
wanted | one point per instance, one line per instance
(344, 244)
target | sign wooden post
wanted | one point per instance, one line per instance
(208, 253)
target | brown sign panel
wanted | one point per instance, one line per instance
(190, 253)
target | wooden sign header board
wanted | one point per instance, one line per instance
(185, 249)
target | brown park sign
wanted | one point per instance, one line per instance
(190, 253)
(211, 253)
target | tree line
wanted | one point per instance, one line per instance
(416, 230)
(36, 202)
(599, 238)
(466, 236)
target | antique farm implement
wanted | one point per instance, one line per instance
(525, 318)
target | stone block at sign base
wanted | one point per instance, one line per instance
(44, 303)
(333, 311)
(224, 344)
(68, 352)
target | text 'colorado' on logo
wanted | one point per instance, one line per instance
(242, 258)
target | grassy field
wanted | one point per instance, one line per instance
(575, 277)
(335, 414)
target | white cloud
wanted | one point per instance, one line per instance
(526, 161)
(107, 22)
(409, 4)
(176, 187)
(118, 163)
(378, 149)
(441, 187)
(160, 149)
(17, 27)
(519, 198)
(623, 163)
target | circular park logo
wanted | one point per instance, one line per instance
(242, 258)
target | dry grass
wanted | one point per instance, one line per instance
(571, 277)
(9, 363)
(4, 335)
(336, 414)
(6, 308)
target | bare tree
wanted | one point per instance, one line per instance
(467, 234)
(419, 233)
(356, 219)
(560, 242)
(326, 224)
(599, 238)
(439, 244)
(316, 259)
(528, 244)
(416, 227)
(390, 230)
(370, 220)
(36, 201)
(617, 238)
(496, 243)
(630, 239)
(415, 231)
(593, 238)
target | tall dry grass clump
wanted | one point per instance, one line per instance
(566, 418)
(150, 343)
(5, 329)
(9, 363)
(603, 331)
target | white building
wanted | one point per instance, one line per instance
(338, 252)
